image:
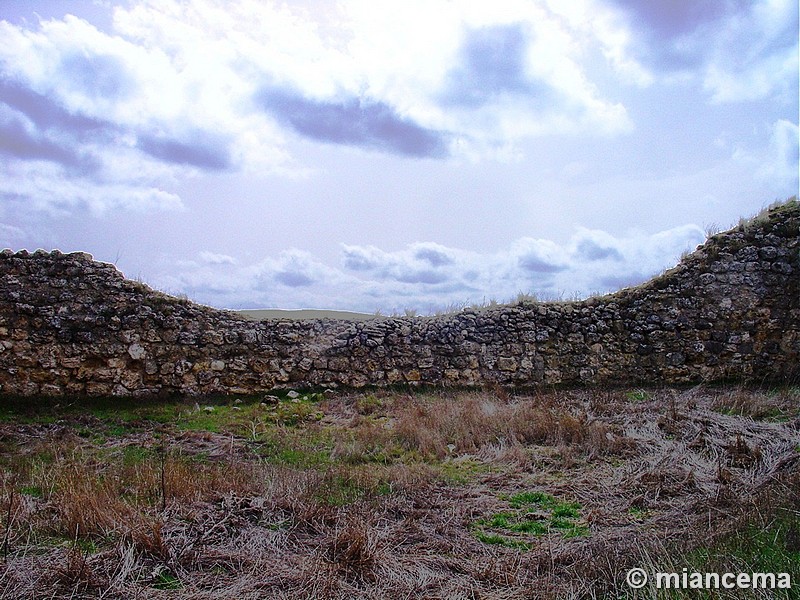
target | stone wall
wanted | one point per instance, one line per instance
(731, 310)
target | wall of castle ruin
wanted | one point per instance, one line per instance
(730, 311)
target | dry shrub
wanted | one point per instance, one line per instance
(353, 550)
(498, 391)
(75, 573)
(664, 482)
(500, 571)
(417, 428)
(601, 439)
(314, 501)
(146, 539)
(187, 479)
(283, 485)
(466, 422)
(533, 424)
(470, 422)
(567, 457)
(119, 501)
(364, 441)
(344, 484)
(87, 505)
(754, 404)
(513, 454)
(408, 479)
(740, 454)
(310, 499)
(313, 517)
(10, 512)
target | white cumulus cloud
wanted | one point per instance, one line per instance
(426, 276)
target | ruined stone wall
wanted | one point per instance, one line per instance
(730, 310)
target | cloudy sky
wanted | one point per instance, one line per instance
(372, 155)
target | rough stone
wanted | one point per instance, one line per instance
(136, 351)
(730, 310)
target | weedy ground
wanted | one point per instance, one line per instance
(397, 495)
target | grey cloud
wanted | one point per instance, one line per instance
(294, 278)
(675, 34)
(353, 122)
(359, 259)
(58, 132)
(46, 113)
(536, 264)
(591, 250)
(419, 264)
(17, 141)
(203, 287)
(492, 64)
(294, 269)
(44, 188)
(456, 286)
(201, 150)
(668, 19)
(433, 256)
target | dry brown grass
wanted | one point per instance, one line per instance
(388, 505)
(757, 404)
(468, 422)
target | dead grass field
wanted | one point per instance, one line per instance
(396, 495)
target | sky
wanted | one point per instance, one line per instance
(382, 156)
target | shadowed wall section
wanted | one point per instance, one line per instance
(730, 310)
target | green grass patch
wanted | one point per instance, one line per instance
(301, 448)
(526, 499)
(774, 548)
(772, 414)
(339, 490)
(127, 412)
(638, 513)
(167, 581)
(301, 457)
(501, 540)
(533, 513)
(200, 420)
(638, 395)
(34, 491)
(121, 416)
(342, 485)
(462, 471)
(294, 412)
(135, 455)
(368, 404)
(384, 488)
(568, 510)
(278, 525)
(87, 546)
(119, 430)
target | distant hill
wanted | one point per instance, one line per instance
(265, 314)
